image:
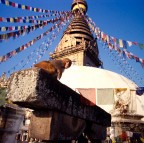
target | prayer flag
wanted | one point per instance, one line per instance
(1, 19)
(11, 20)
(124, 44)
(140, 91)
(13, 4)
(7, 2)
(16, 5)
(3, 29)
(23, 6)
(19, 6)
(141, 46)
(120, 43)
(107, 37)
(129, 43)
(135, 43)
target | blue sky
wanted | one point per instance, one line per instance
(122, 19)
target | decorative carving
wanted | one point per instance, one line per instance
(66, 42)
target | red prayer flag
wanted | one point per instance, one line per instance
(135, 43)
(0, 19)
(13, 4)
(10, 28)
(28, 7)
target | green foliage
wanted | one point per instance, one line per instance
(2, 96)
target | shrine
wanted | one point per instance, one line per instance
(88, 104)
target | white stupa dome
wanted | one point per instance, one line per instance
(84, 77)
(91, 77)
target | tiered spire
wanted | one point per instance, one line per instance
(77, 42)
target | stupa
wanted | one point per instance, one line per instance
(60, 114)
(111, 91)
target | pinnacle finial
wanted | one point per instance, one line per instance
(79, 4)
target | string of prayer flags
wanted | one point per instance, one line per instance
(18, 19)
(114, 43)
(129, 55)
(119, 42)
(24, 7)
(23, 47)
(12, 28)
(41, 49)
(125, 53)
(30, 43)
(13, 20)
(25, 29)
(28, 18)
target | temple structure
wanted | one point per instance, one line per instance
(112, 92)
(57, 112)
(77, 42)
(81, 104)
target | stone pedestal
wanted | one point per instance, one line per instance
(59, 112)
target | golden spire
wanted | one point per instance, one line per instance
(79, 4)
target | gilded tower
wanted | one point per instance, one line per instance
(77, 42)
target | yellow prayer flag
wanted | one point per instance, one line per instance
(120, 43)
(35, 9)
(107, 38)
(7, 2)
(19, 27)
(3, 29)
(11, 20)
(23, 6)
